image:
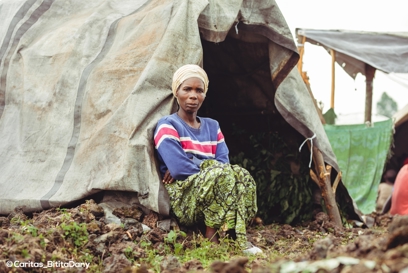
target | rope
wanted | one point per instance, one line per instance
(311, 148)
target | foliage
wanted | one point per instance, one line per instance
(386, 106)
(199, 248)
(284, 193)
(77, 234)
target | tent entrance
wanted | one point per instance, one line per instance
(241, 98)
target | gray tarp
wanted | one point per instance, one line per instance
(83, 83)
(387, 52)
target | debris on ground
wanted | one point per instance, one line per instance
(81, 237)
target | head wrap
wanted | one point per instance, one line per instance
(189, 71)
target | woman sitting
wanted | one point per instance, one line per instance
(194, 164)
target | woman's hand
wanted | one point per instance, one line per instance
(167, 179)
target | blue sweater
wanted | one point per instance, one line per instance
(181, 148)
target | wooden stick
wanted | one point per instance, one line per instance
(336, 182)
(325, 186)
(301, 49)
(369, 73)
(314, 177)
(333, 82)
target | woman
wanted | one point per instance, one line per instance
(399, 198)
(202, 185)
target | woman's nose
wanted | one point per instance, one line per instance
(193, 94)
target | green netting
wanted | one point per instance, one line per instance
(361, 154)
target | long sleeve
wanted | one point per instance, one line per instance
(222, 151)
(167, 142)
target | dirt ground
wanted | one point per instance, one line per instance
(73, 237)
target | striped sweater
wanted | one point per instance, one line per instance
(181, 148)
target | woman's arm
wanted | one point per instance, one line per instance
(167, 142)
(221, 154)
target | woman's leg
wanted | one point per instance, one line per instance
(218, 194)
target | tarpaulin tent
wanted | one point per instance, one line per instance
(361, 52)
(83, 84)
(354, 49)
(354, 145)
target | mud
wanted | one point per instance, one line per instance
(83, 234)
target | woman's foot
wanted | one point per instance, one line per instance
(212, 235)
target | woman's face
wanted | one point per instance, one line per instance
(191, 95)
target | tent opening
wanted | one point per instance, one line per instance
(241, 98)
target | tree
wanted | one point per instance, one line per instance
(386, 106)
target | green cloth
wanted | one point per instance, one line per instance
(330, 116)
(219, 194)
(361, 154)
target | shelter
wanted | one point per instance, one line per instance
(83, 85)
(361, 52)
(362, 152)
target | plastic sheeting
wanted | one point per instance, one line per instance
(361, 153)
(83, 83)
(387, 52)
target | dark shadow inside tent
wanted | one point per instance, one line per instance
(400, 147)
(241, 98)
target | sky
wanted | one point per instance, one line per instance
(364, 15)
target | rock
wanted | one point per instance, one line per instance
(116, 263)
(397, 222)
(128, 212)
(151, 219)
(4, 221)
(93, 227)
(170, 264)
(321, 247)
(321, 218)
(193, 266)
(107, 237)
(235, 266)
(398, 230)
(156, 235)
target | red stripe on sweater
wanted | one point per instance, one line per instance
(220, 136)
(202, 148)
(163, 132)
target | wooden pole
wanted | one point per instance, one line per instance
(301, 49)
(369, 73)
(322, 178)
(333, 78)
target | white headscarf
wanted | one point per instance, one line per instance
(189, 71)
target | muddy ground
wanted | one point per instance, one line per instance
(70, 238)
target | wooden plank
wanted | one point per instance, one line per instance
(333, 78)
(369, 73)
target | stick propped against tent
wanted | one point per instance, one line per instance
(324, 182)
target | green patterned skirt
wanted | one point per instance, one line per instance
(219, 194)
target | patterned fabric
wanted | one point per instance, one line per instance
(219, 194)
(361, 153)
